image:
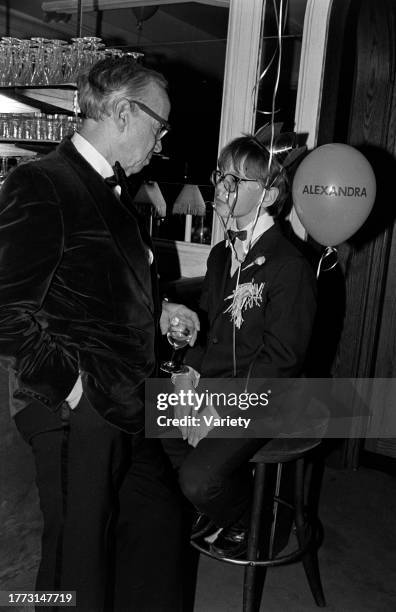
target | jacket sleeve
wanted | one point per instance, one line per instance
(195, 354)
(31, 247)
(289, 315)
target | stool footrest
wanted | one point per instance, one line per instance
(281, 560)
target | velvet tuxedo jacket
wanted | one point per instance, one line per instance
(273, 339)
(76, 289)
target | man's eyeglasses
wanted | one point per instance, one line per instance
(230, 181)
(164, 127)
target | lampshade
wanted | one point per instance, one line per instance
(150, 193)
(189, 202)
(142, 13)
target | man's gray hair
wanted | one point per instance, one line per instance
(111, 79)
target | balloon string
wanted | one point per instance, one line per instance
(280, 29)
(279, 20)
(326, 253)
(269, 112)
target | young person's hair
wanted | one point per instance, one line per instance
(248, 158)
(111, 79)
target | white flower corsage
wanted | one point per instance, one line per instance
(259, 261)
(243, 297)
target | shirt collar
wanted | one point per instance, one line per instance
(263, 223)
(92, 155)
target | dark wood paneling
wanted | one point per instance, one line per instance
(360, 109)
(365, 258)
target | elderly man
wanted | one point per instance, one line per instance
(79, 315)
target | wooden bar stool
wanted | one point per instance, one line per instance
(279, 451)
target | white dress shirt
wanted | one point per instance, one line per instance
(93, 157)
(241, 247)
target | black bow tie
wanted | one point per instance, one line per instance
(118, 178)
(240, 234)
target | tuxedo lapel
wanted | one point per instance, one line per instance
(121, 222)
(263, 248)
(254, 260)
(127, 201)
(220, 279)
(125, 232)
(260, 253)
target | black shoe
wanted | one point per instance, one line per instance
(201, 525)
(231, 542)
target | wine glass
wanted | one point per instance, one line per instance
(91, 46)
(179, 335)
(26, 64)
(54, 60)
(77, 57)
(40, 70)
(8, 46)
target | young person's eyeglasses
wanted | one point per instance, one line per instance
(230, 181)
(164, 127)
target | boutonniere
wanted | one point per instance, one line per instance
(259, 261)
(243, 297)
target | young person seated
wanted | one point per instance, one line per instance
(270, 341)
